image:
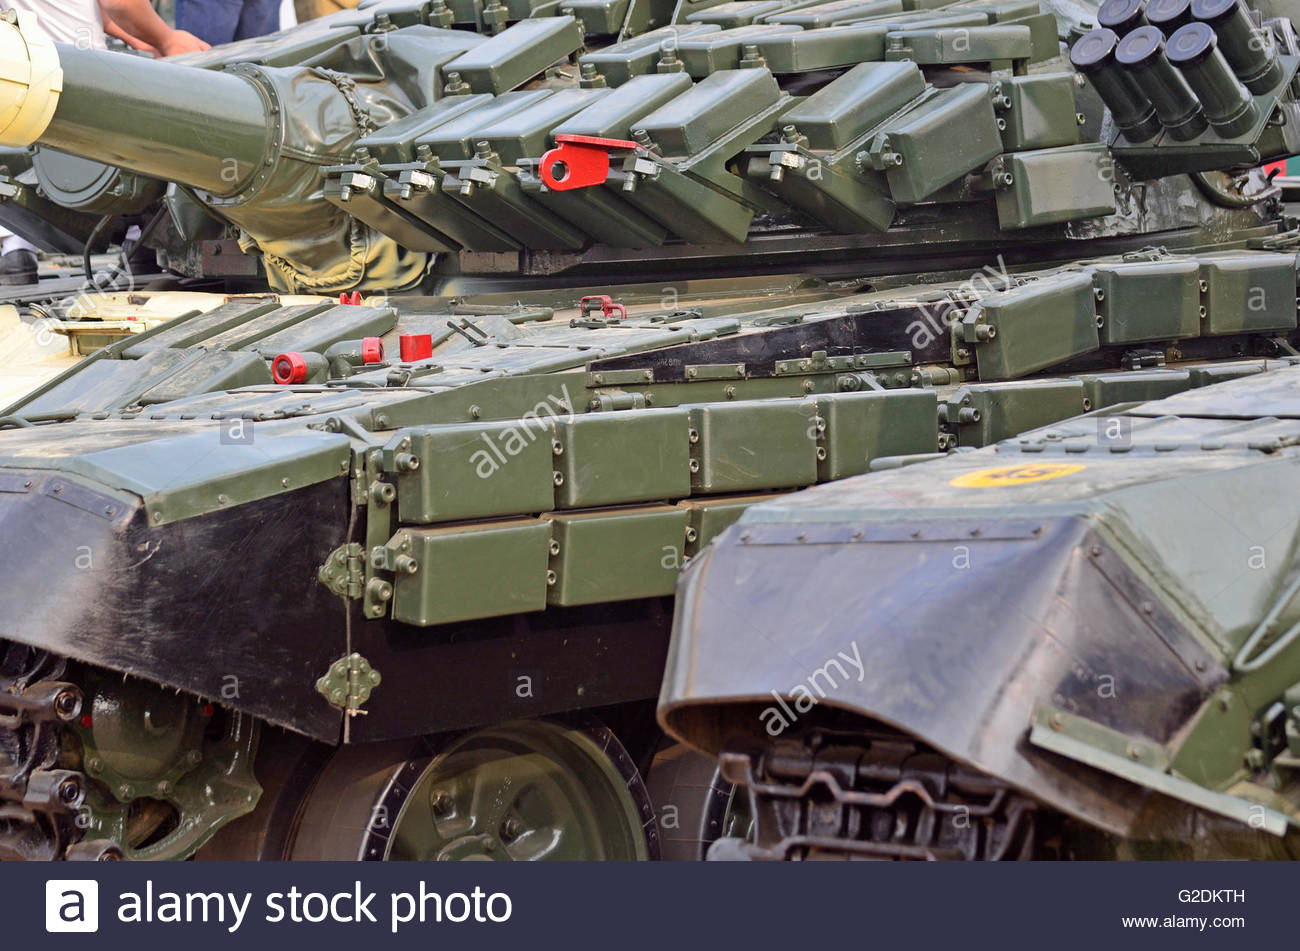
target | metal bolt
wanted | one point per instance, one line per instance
(441, 802)
(511, 829)
(67, 704)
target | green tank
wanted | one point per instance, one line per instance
(357, 532)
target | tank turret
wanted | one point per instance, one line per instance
(248, 140)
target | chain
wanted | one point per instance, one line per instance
(347, 88)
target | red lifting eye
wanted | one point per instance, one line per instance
(289, 368)
(372, 350)
(415, 347)
(579, 161)
(354, 298)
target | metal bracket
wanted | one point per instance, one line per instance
(580, 161)
(1144, 763)
(819, 362)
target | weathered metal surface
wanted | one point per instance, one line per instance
(1054, 581)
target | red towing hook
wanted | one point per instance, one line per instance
(579, 161)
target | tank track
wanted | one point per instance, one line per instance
(39, 801)
(872, 795)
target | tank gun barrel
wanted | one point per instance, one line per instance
(201, 128)
(252, 141)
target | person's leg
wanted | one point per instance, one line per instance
(214, 21)
(258, 18)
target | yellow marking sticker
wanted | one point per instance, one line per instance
(1014, 475)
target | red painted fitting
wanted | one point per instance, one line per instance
(415, 347)
(607, 306)
(353, 298)
(289, 368)
(579, 161)
(372, 350)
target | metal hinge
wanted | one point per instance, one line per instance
(344, 571)
(348, 683)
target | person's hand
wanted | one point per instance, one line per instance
(112, 29)
(182, 42)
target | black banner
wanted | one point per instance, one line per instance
(473, 905)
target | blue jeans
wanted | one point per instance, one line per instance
(221, 21)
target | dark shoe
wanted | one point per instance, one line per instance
(18, 267)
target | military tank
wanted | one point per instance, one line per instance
(1077, 643)
(359, 536)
